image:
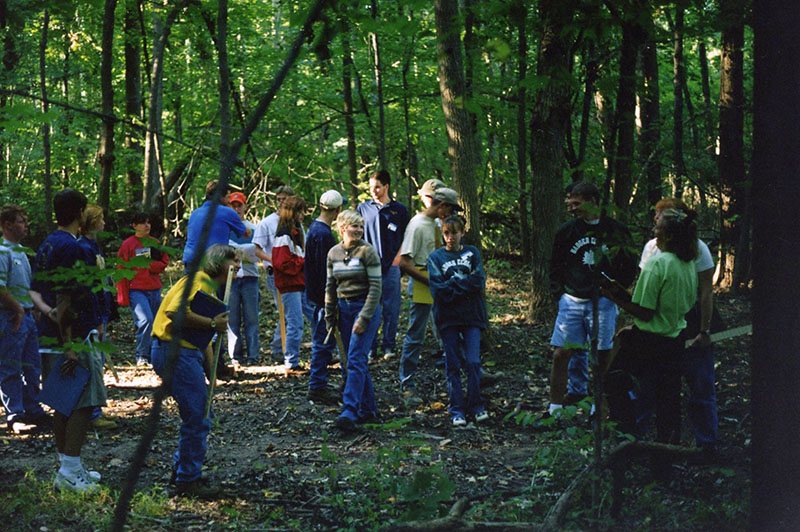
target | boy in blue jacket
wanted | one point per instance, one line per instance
(457, 281)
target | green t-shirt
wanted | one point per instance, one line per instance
(669, 286)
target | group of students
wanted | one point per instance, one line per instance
(346, 289)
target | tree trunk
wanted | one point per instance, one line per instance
(520, 14)
(224, 88)
(133, 102)
(708, 119)
(106, 153)
(411, 150)
(347, 91)
(592, 69)
(376, 49)
(775, 365)
(625, 123)
(650, 137)
(461, 145)
(10, 60)
(550, 115)
(48, 179)
(731, 135)
(678, 166)
(153, 194)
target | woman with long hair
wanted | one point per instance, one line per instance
(651, 351)
(288, 258)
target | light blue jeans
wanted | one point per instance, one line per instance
(321, 352)
(190, 393)
(275, 344)
(144, 306)
(390, 310)
(243, 304)
(413, 342)
(293, 314)
(20, 367)
(359, 395)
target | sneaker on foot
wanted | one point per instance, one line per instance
(197, 489)
(459, 421)
(142, 363)
(20, 426)
(388, 355)
(77, 483)
(91, 476)
(481, 416)
(345, 424)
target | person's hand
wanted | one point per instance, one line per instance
(221, 322)
(359, 328)
(70, 363)
(701, 340)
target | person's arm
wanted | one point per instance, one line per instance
(408, 268)
(706, 297)
(9, 302)
(331, 299)
(197, 321)
(618, 295)
(263, 255)
(285, 261)
(372, 266)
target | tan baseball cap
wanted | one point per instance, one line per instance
(429, 187)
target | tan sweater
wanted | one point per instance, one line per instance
(352, 273)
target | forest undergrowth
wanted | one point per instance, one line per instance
(283, 466)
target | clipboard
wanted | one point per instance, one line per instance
(422, 292)
(61, 392)
(208, 306)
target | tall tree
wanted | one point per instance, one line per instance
(519, 13)
(347, 92)
(224, 88)
(650, 137)
(550, 117)
(678, 165)
(776, 252)
(133, 102)
(461, 145)
(378, 69)
(106, 152)
(48, 179)
(731, 135)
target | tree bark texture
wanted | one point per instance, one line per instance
(224, 88)
(731, 167)
(776, 253)
(106, 153)
(347, 91)
(461, 145)
(376, 50)
(133, 101)
(678, 166)
(650, 137)
(520, 14)
(550, 118)
(48, 179)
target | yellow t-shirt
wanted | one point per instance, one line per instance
(162, 324)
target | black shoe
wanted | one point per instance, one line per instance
(324, 396)
(225, 372)
(43, 420)
(197, 489)
(346, 425)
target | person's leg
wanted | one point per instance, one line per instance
(452, 338)
(390, 297)
(31, 368)
(249, 306)
(578, 374)
(190, 393)
(668, 391)
(308, 308)
(472, 353)
(698, 368)
(293, 311)
(320, 351)
(11, 382)
(413, 342)
(143, 320)
(76, 428)
(356, 402)
(568, 331)
(235, 341)
(275, 344)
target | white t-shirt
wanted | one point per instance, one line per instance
(264, 235)
(703, 262)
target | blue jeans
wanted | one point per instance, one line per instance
(359, 395)
(308, 310)
(293, 314)
(275, 344)
(390, 310)
(190, 392)
(320, 351)
(20, 367)
(698, 370)
(578, 372)
(574, 323)
(464, 341)
(243, 304)
(144, 306)
(413, 342)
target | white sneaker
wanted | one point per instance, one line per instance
(388, 355)
(483, 416)
(459, 421)
(78, 483)
(91, 476)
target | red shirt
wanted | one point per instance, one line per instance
(146, 278)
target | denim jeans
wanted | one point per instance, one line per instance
(390, 310)
(308, 310)
(574, 323)
(20, 367)
(359, 395)
(293, 315)
(275, 344)
(464, 341)
(243, 304)
(190, 393)
(698, 370)
(413, 342)
(578, 373)
(144, 306)
(320, 351)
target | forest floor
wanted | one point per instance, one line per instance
(283, 466)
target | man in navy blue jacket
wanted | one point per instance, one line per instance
(385, 222)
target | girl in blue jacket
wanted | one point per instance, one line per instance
(457, 282)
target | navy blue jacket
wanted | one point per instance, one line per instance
(457, 281)
(319, 240)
